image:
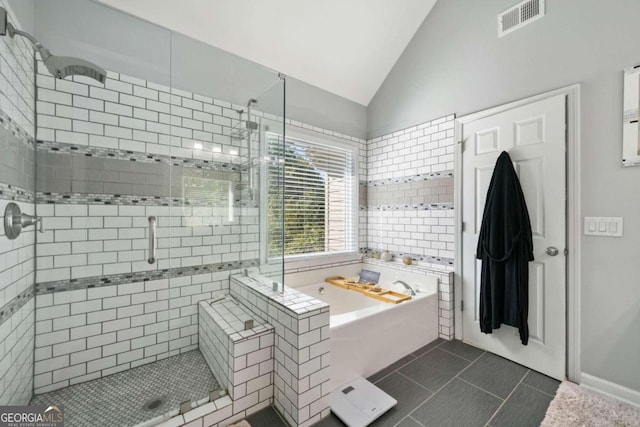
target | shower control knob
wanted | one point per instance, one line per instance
(552, 251)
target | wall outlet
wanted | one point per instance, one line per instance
(602, 226)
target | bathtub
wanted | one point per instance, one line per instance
(366, 335)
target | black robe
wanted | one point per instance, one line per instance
(505, 246)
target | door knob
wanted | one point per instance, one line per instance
(553, 251)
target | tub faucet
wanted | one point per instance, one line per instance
(407, 287)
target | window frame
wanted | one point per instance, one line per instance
(304, 135)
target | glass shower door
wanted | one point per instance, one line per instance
(271, 161)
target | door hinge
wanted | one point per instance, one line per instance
(461, 142)
(566, 251)
(461, 305)
(463, 226)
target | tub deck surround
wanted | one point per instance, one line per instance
(367, 334)
(242, 359)
(437, 280)
(301, 323)
(373, 334)
(445, 289)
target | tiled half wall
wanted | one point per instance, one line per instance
(302, 351)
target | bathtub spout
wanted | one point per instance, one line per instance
(412, 292)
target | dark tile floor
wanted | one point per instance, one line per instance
(453, 384)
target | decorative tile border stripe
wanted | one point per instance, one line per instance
(328, 265)
(413, 178)
(11, 192)
(7, 310)
(123, 199)
(397, 261)
(225, 163)
(141, 276)
(9, 124)
(416, 206)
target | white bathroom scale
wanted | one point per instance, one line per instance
(359, 403)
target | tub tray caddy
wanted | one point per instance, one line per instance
(369, 289)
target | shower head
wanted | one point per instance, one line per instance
(63, 66)
(59, 66)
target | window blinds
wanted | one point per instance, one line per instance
(319, 200)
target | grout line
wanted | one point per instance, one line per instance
(464, 358)
(409, 416)
(396, 370)
(440, 389)
(405, 417)
(481, 389)
(415, 357)
(506, 399)
(418, 384)
(429, 351)
(537, 389)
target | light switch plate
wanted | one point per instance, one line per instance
(603, 226)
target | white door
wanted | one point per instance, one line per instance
(534, 137)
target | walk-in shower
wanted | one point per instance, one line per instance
(59, 66)
(93, 325)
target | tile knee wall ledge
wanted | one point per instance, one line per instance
(301, 369)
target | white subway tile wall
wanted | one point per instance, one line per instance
(17, 103)
(418, 232)
(16, 259)
(406, 156)
(135, 115)
(406, 227)
(16, 364)
(94, 240)
(421, 149)
(446, 301)
(88, 333)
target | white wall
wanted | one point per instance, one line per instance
(456, 63)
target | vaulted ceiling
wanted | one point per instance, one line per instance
(346, 47)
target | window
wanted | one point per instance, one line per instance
(320, 197)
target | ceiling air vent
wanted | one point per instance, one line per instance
(520, 15)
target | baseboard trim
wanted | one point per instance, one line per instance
(608, 388)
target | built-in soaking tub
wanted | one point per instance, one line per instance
(366, 334)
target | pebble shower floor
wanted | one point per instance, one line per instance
(136, 395)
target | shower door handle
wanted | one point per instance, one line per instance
(152, 239)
